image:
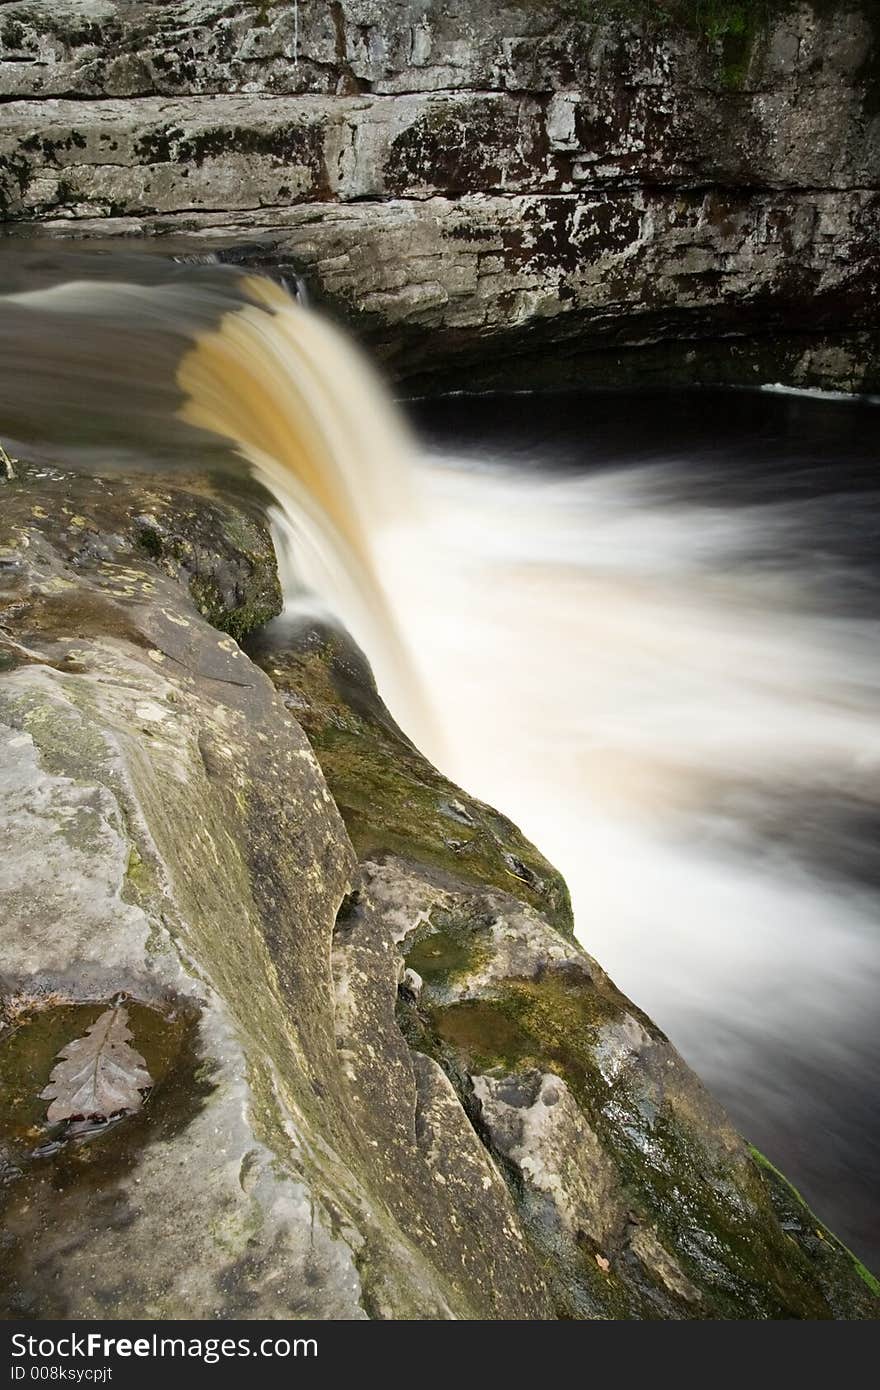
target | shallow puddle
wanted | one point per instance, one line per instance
(486, 1036)
(439, 955)
(60, 1183)
(29, 1052)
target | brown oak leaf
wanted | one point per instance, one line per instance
(98, 1075)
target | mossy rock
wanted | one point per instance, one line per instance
(220, 550)
(743, 1241)
(391, 798)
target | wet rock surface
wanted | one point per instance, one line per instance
(128, 725)
(636, 187)
(386, 1082)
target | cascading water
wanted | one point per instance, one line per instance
(665, 669)
(109, 375)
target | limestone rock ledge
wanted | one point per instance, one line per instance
(388, 1083)
(650, 189)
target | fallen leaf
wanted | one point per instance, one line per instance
(100, 1074)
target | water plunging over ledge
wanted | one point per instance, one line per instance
(644, 625)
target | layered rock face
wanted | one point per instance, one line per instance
(541, 191)
(386, 1080)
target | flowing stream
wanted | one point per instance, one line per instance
(645, 625)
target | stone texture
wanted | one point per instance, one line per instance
(121, 711)
(455, 177)
(166, 831)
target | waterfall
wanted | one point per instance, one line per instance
(675, 693)
(108, 374)
(313, 421)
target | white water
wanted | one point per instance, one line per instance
(623, 674)
(608, 677)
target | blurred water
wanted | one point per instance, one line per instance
(646, 625)
(651, 623)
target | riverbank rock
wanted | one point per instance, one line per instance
(385, 1080)
(554, 192)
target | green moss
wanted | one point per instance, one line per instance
(136, 871)
(731, 28)
(552, 1023)
(150, 540)
(141, 886)
(394, 803)
(262, 13)
(728, 1229)
(441, 957)
(484, 1032)
(786, 1196)
(293, 144)
(239, 620)
(226, 557)
(391, 798)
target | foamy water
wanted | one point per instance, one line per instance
(610, 679)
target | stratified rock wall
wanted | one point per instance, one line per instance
(590, 176)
